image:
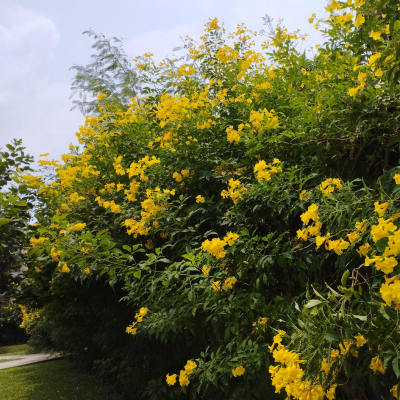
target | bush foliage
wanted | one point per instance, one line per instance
(232, 232)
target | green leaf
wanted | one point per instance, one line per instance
(313, 303)
(4, 221)
(381, 244)
(20, 203)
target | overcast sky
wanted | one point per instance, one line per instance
(41, 39)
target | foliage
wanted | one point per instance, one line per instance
(217, 219)
(109, 72)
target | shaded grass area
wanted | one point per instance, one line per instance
(50, 381)
(18, 350)
(10, 359)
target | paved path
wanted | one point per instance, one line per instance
(24, 360)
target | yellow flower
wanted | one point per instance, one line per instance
(206, 271)
(381, 208)
(375, 35)
(330, 394)
(86, 271)
(302, 234)
(230, 238)
(359, 20)
(229, 282)
(65, 268)
(183, 379)
(377, 365)
(216, 286)
(354, 91)
(215, 247)
(171, 379)
(149, 244)
(379, 72)
(37, 270)
(185, 173)
(177, 176)
(238, 371)
(190, 366)
(397, 179)
(352, 236)
(199, 199)
(338, 246)
(360, 340)
(373, 59)
(320, 240)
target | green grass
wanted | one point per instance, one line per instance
(52, 380)
(10, 359)
(18, 350)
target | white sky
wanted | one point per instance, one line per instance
(41, 39)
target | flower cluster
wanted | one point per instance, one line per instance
(132, 329)
(183, 375)
(216, 246)
(264, 170)
(235, 191)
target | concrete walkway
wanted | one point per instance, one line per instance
(24, 360)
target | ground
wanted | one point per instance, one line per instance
(50, 380)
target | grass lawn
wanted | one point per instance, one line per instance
(10, 359)
(52, 380)
(18, 350)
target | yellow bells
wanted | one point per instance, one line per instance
(206, 271)
(320, 240)
(215, 247)
(380, 209)
(361, 226)
(397, 179)
(330, 394)
(377, 365)
(277, 340)
(359, 20)
(327, 186)
(74, 198)
(364, 249)
(37, 270)
(65, 268)
(354, 91)
(230, 238)
(352, 236)
(235, 192)
(360, 340)
(171, 379)
(390, 291)
(338, 246)
(199, 199)
(373, 59)
(149, 244)
(382, 229)
(238, 371)
(229, 282)
(177, 176)
(76, 227)
(302, 234)
(375, 35)
(183, 379)
(139, 318)
(216, 286)
(384, 264)
(311, 213)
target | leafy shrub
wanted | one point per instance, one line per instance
(178, 246)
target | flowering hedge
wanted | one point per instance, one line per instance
(244, 207)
